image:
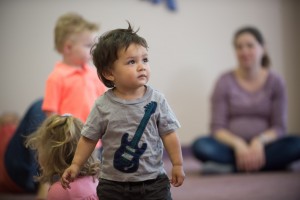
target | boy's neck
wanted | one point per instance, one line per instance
(130, 94)
(71, 64)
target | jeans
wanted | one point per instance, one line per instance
(20, 162)
(279, 154)
(158, 189)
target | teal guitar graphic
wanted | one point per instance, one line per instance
(126, 158)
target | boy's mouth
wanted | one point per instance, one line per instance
(142, 76)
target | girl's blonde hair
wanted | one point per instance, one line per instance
(55, 143)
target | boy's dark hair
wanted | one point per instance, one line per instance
(105, 51)
(265, 61)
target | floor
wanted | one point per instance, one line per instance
(282, 185)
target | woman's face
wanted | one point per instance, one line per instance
(249, 51)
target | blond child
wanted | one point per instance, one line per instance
(73, 85)
(134, 122)
(55, 144)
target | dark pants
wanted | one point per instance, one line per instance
(156, 189)
(279, 154)
(20, 162)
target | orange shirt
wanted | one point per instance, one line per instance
(72, 90)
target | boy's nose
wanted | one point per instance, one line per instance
(141, 66)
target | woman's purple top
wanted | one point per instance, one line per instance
(247, 114)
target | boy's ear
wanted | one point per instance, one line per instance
(67, 47)
(108, 75)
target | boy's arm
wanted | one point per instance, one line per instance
(172, 146)
(85, 148)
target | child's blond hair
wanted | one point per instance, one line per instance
(68, 25)
(57, 139)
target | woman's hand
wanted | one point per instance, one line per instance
(242, 155)
(258, 154)
(250, 157)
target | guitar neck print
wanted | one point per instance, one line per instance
(126, 158)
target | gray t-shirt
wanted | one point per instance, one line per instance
(131, 133)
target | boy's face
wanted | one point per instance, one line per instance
(80, 46)
(131, 70)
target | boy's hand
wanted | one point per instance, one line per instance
(69, 175)
(177, 175)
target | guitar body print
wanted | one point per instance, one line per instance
(127, 156)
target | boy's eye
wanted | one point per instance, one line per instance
(145, 60)
(131, 62)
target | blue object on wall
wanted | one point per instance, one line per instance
(171, 4)
(156, 1)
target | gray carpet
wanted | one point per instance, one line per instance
(283, 185)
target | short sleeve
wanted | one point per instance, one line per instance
(167, 121)
(94, 127)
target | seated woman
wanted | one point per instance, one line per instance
(249, 113)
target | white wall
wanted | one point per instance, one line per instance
(189, 49)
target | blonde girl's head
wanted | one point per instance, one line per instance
(55, 143)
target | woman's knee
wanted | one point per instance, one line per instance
(293, 142)
(203, 148)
